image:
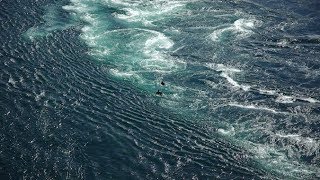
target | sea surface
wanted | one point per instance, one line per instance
(241, 93)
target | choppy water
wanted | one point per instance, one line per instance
(240, 101)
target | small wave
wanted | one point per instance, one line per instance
(216, 35)
(235, 83)
(244, 25)
(281, 98)
(241, 28)
(285, 99)
(229, 132)
(283, 43)
(309, 99)
(226, 73)
(255, 108)
(12, 81)
(223, 68)
(39, 96)
(159, 41)
(267, 92)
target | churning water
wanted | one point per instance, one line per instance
(241, 98)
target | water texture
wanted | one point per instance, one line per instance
(241, 96)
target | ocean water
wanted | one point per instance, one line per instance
(241, 98)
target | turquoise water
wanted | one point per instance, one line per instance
(241, 95)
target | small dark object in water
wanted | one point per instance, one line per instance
(159, 93)
(162, 83)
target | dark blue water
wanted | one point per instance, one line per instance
(78, 80)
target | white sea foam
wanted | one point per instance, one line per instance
(90, 18)
(158, 41)
(285, 99)
(12, 81)
(281, 98)
(229, 132)
(283, 43)
(244, 25)
(309, 99)
(156, 59)
(226, 73)
(39, 96)
(254, 107)
(223, 68)
(86, 29)
(77, 7)
(101, 52)
(130, 14)
(118, 73)
(152, 12)
(291, 136)
(216, 35)
(235, 83)
(158, 63)
(242, 28)
(267, 92)
(124, 2)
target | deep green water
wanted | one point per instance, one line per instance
(240, 101)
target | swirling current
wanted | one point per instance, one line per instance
(240, 94)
